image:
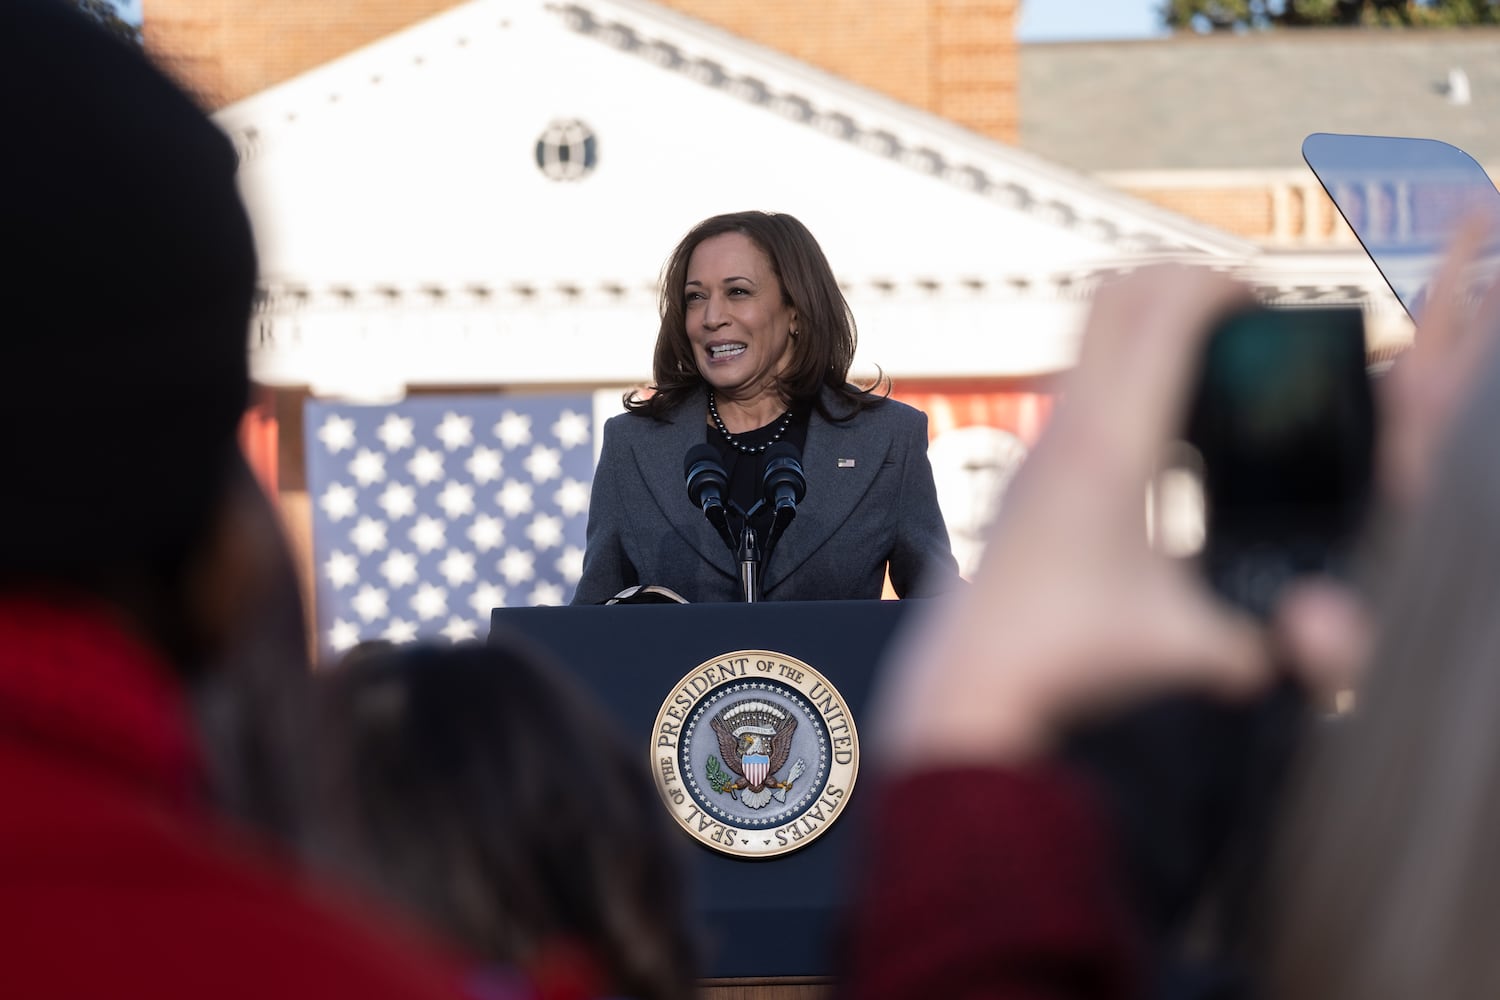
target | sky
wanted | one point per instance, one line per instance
(1078, 20)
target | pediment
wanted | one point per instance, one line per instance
(413, 162)
(409, 233)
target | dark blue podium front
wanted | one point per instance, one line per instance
(773, 917)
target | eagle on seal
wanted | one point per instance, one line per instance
(755, 739)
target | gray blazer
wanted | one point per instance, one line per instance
(870, 503)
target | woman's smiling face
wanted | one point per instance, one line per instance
(737, 318)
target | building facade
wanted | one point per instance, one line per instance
(478, 203)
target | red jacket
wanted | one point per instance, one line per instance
(989, 883)
(115, 881)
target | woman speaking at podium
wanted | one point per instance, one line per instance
(752, 361)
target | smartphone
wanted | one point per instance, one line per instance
(1282, 429)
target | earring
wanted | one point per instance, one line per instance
(793, 333)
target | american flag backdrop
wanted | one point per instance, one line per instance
(430, 512)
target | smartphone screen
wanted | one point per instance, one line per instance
(1404, 198)
(1282, 424)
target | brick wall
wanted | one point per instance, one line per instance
(976, 66)
(955, 58)
(1244, 211)
(1276, 213)
(224, 50)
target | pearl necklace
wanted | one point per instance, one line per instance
(781, 428)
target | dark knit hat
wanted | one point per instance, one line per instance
(123, 368)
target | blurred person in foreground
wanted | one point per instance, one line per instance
(481, 789)
(140, 562)
(993, 869)
(753, 354)
(1386, 885)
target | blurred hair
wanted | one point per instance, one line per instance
(823, 350)
(1385, 881)
(251, 700)
(481, 789)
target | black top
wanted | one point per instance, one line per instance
(745, 472)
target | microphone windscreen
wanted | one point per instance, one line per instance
(699, 453)
(784, 472)
(783, 449)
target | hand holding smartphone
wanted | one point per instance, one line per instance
(1283, 423)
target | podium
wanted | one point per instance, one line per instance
(760, 919)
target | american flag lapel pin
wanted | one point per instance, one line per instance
(846, 463)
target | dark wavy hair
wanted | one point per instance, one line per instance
(470, 784)
(823, 350)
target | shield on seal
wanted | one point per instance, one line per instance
(757, 767)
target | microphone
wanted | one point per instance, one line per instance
(783, 483)
(706, 480)
(706, 485)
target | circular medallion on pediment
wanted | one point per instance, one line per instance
(568, 150)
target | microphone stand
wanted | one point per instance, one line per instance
(719, 518)
(750, 552)
(707, 484)
(779, 520)
(749, 556)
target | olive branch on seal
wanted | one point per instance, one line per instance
(718, 778)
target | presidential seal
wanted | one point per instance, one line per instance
(755, 753)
